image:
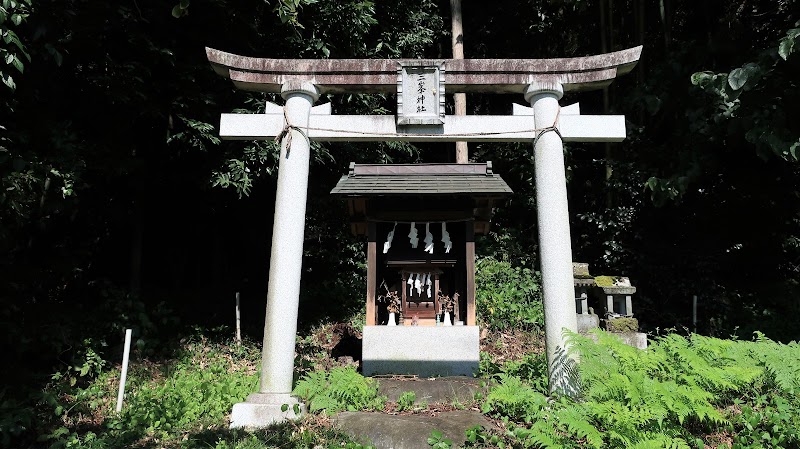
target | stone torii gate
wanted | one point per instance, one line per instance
(542, 82)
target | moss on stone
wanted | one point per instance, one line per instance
(622, 325)
(605, 281)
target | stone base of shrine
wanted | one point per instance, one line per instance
(420, 350)
(264, 409)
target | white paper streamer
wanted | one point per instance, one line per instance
(418, 284)
(446, 238)
(429, 284)
(410, 283)
(428, 239)
(412, 235)
(388, 243)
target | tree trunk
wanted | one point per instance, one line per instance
(462, 152)
(607, 44)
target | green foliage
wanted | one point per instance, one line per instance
(478, 437)
(679, 393)
(197, 389)
(438, 441)
(788, 44)
(508, 296)
(514, 399)
(193, 392)
(338, 390)
(531, 368)
(12, 50)
(406, 401)
(182, 402)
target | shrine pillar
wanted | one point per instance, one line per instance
(555, 248)
(285, 267)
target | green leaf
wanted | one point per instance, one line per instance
(8, 81)
(786, 46)
(284, 407)
(17, 64)
(177, 11)
(16, 19)
(737, 78)
(702, 78)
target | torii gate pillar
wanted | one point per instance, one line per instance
(555, 248)
(273, 401)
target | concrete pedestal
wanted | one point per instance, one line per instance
(421, 350)
(263, 409)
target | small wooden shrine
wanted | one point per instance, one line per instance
(420, 221)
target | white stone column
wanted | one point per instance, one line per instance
(555, 248)
(280, 323)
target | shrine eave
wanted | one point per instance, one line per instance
(473, 180)
(466, 75)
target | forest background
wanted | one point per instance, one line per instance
(120, 207)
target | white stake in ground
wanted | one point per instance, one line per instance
(238, 322)
(123, 376)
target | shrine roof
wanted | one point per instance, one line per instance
(475, 179)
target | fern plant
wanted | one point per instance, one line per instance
(676, 394)
(338, 390)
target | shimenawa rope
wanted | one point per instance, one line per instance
(288, 127)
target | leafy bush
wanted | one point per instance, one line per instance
(338, 390)
(508, 296)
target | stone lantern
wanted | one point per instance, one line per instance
(617, 291)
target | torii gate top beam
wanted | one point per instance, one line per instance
(463, 75)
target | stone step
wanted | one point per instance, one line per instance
(407, 431)
(412, 430)
(448, 390)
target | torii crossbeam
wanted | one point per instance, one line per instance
(300, 82)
